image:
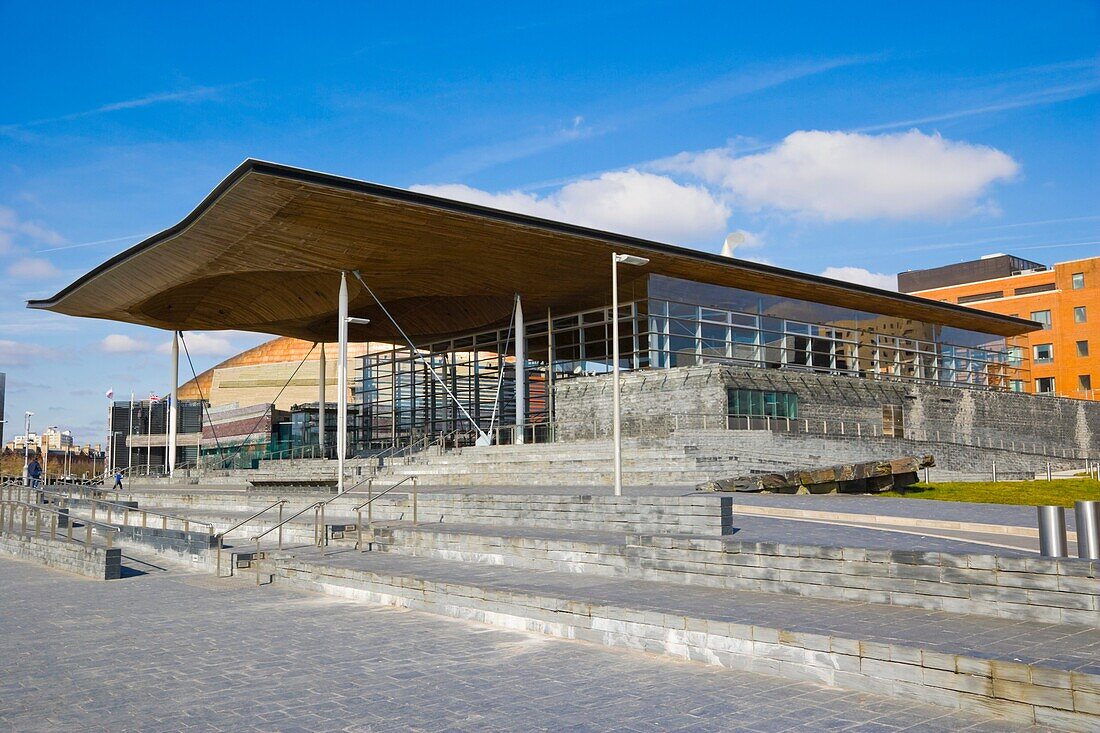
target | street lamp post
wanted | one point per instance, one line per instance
(616, 417)
(26, 445)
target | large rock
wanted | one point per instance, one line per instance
(849, 478)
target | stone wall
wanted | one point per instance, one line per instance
(946, 415)
(94, 562)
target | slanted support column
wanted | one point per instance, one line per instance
(342, 383)
(521, 373)
(321, 377)
(173, 405)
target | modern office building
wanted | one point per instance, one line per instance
(1063, 358)
(489, 314)
(139, 436)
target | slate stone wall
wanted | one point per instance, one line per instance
(654, 401)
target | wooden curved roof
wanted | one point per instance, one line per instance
(263, 252)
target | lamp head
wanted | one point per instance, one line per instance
(632, 260)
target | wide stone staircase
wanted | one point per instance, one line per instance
(998, 632)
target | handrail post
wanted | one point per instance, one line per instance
(281, 503)
(144, 517)
(415, 492)
(359, 530)
(256, 560)
(87, 536)
(37, 521)
(218, 558)
(53, 526)
(370, 504)
(324, 529)
(23, 524)
(93, 509)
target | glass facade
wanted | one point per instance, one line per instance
(673, 323)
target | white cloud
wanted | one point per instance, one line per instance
(861, 276)
(32, 268)
(13, 227)
(839, 176)
(628, 202)
(14, 353)
(203, 344)
(117, 343)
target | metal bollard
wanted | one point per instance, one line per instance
(1052, 531)
(1087, 514)
(994, 472)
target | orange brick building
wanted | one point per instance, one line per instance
(1063, 359)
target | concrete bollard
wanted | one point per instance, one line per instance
(1052, 531)
(1087, 514)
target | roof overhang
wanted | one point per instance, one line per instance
(263, 252)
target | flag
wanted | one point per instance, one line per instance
(153, 399)
(110, 393)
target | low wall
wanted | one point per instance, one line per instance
(1033, 589)
(706, 515)
(93, 562)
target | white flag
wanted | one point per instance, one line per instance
(110, 393)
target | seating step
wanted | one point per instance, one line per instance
(1046, 674)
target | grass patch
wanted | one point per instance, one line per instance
(1061, 492)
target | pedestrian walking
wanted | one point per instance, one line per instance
(118, 479)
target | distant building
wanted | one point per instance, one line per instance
(19, 442)
(1063, 359)
(54, 439)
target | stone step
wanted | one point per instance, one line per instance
(1046, 674)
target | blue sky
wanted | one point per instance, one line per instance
(872, 136)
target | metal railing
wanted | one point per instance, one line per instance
(320, 532)
(9, 508)
(123, 512)
(221, 535)
(370, 514)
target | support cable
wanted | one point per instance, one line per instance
(500, 374)
(416, 353)
(202, 399)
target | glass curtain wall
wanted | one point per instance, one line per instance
(674, 323)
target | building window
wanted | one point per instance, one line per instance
(759, 403)
(893, 421)
(1042, 317)
(1015, 355)
(1016, 385)
(1044, 353)
(993, 295)
(1082, 348)
(1084, 382)
(1078, 280)
(1044, 385)
(1079, 315)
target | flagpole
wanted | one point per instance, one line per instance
(130, 439)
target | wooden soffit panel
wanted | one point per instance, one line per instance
(264, 250)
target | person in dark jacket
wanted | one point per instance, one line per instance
(34, 472)
(118, 479)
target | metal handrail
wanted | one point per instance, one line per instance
(38, 509)
(187, 522)
(221, 535)
(370, 514)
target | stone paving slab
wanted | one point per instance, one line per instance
(173, 652)
(1058, 646)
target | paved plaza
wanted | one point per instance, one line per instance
(165, 650)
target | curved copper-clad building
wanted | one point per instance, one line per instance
(257, 375)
